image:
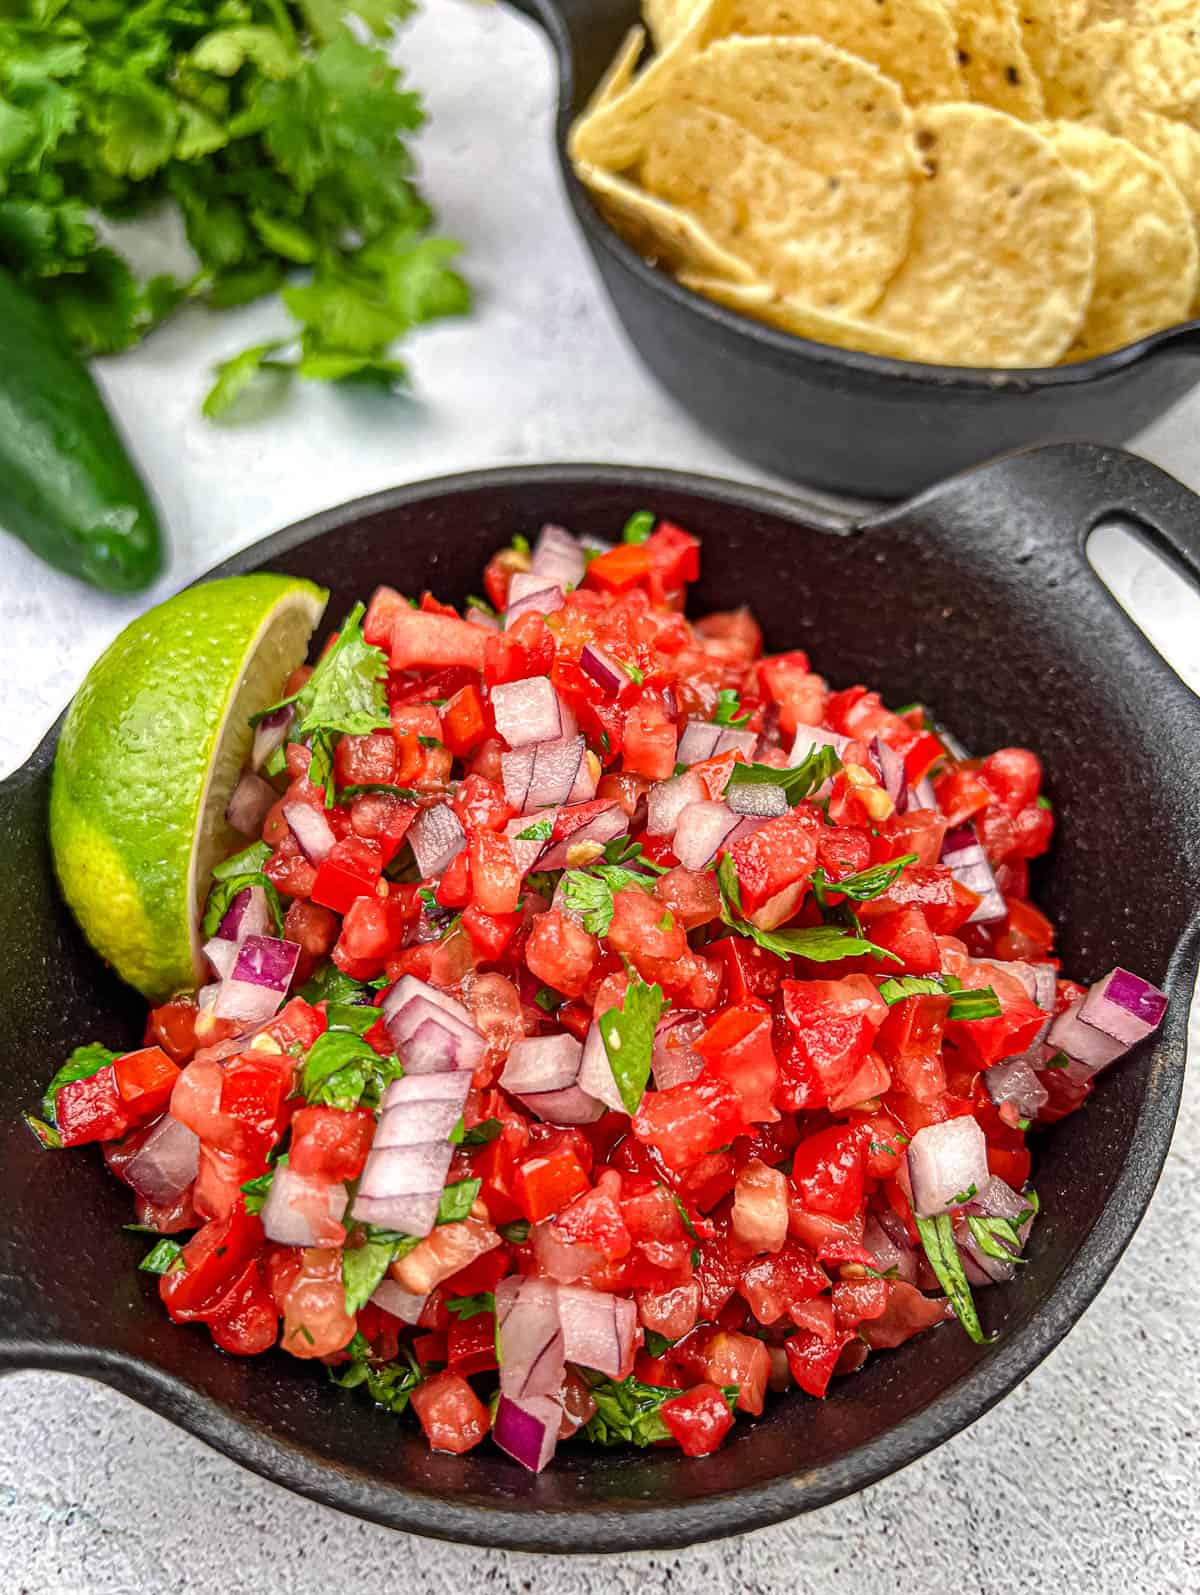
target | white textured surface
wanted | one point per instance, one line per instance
(1083, 1481)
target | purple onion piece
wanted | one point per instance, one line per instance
(946, 1161)
(606, 827)
(891, 769)
(997, 1199)
(570, 1105)
(166, 1163)
(597, 1328)
(595, 1072)
(401, 1303)
(416, 1123)
(418, 1090)
(249, 802)
(544, 775)
(527, 711)
(1124, 1006)
(675, 1060)
(542, 1063)
(408, 988)
(437, 838)
(528, 1430)
(531, 593)
(431, 1040)
(269, 734)
(485, 622)
(287, 1215)
(603, 668)
(1013, 1080)
(810, 737)
(968, 863)
(666, 801)
(702, 829)
(734, 740)
(698, 742)
(413, 1213)
(529, 1338)
(1070, 1033)
(558, 556)
(311, 829)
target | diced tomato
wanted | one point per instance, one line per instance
(145, 1081)
(92, 1109)
(811, 1360)
(698, 1420)
(544, 1185)
(253, 1088)
(649, 743)
(945, 903)
(780, 854)
(372, 929)
(833, 1025)
(366, 760)
(525, 649)
(560, 953)
(350, 869)
(451, 1414)
(986, 1041)
(961, 794)
(736, 1359)
(247, 1322)
(737, 1049)
(471, 1344)
(1027, 934)
(330, 1143)
(907, 1313)
(454, 888)
(495, 878)
(787, 681)
(906, 933)
(674, 555)
(619, 568)
(686, 1121)
(855, 1300)
(420, 640)
(594, 1220)
(828, 1172)
(212, 1265)
(466, 722)
(774, 1283)
(173, 1028)
(748, 969)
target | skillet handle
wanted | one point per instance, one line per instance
(1061, 492)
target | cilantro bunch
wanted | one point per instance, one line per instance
(278, 135)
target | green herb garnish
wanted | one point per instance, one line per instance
(628, 1035)
(937, 1237)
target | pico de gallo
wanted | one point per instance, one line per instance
(609, 1021)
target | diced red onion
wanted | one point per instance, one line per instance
(529, 592)
(527, 853)
(246, 916)
(528, 1430)
(666, 801)
(675, 1060)
(311, 829)
(977, 1266)
(261, 976)
(698, 742)
(206, 997)
(1124, 1006)
(1045, 985)
(415, 1123)
(249, 802)
(968, 863)
(595, 1071)
(734, 739)
(408, 989)
(543, 775)
(1072, 1034)
(301, 1211)
(480, 618)
(746, 826)
(701, 830)
(891, 769)
(597, 1329)
(1013, 1080)
(921, 796)
(605, 827)
(564, 1261)
(431, 1039)
(544, 1072)
(944, 1161)
(401, 1187)
(166, 1163)
(436, 838)
(416, 1090)
(586, 782)
(997, 1199)
(888, 1252)
(603, 668)
(393, 1298)
(764, 802)
(527, 711)
(558, 556)
(571, 1105)
(271, 733)
(809, 737)
(529, 1337)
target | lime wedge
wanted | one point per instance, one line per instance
(151, 750)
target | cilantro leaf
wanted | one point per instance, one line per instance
(977, 1002)
(464, 1307)
(966, 1003)
(539, 831)
(163, 1257)
(937, 1237)
(257, 1190)
(81, 1065)
(629, 1412)
(341, 1070)
(638, 527)
(728, 709)
(901, 986)
(516, 1232)
(864, 884)
(329, 984)
(389, 1384)
(822, 944)
(818, 765)
(482, 1134)
(363, 1268)
(457, 1201)
(225, 890)
(347, 690)
(996, 1237)
(628, 1035)
(635, 673)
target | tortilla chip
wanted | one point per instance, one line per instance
(998, 71)
(619, 74)
(661, 233)
(762, 303)
(1000, 269)
(1146, 252)
(666, 19)
(913, 42)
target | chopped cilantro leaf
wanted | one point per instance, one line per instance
(162, 1258)
(81, 1065)
(482, 605)
(728, 709)
(516, 1232)
(628, 1035)
(483, 1133)
(1043, 802)
(638, 527)
(521, 544)
(629, 1412)
(864, 884)
(548, 1001)
(457, 1201)
(464, 1307)
(635, 673)
(822, 944)
(341, 1070)
(539, 831)
(798, 783)
(996, 1237)
(362, 788)
(937, 1237)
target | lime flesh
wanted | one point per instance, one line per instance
(150, 752)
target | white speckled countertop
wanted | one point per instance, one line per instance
(1082, 1482)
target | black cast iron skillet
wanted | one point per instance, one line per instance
(854, 423)
(977, 599)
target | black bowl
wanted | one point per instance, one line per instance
(977, 599)
(854, 423)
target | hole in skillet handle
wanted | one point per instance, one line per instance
(1162, 602)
